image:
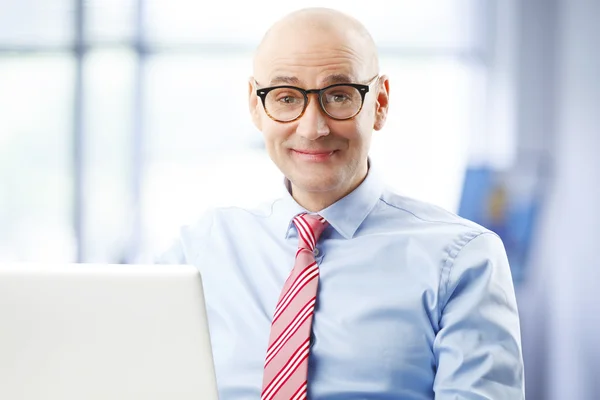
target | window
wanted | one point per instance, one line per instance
(36, 199)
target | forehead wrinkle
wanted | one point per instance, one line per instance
(286, 70)
(340, 54)
(289, 66)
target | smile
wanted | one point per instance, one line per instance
(313, 156)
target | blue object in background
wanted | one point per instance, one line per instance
(507, 203)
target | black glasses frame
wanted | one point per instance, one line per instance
(363, 89)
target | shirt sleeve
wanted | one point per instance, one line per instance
(172, 255)
(478, 346)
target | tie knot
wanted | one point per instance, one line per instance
(309, 229)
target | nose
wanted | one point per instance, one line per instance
(313, 124)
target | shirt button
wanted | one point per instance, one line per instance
(316, 252)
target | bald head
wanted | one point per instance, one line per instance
(311, 30)
(320, 142)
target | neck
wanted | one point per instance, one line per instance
(317, 201)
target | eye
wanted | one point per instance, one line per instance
(339, 97)
(289, 98)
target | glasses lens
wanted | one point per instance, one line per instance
(341, 101)
(284, 104)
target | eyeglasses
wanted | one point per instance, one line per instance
(340, 101)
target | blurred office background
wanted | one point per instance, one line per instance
(121, 120)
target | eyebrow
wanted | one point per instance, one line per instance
(292, 80)
(337, 78)
(289, 80)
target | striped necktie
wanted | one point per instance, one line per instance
(286, 362)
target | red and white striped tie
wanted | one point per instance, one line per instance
(286, 362)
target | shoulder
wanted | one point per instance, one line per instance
(463, 250)
(201, 234)
(421, 212)
(442, 233)
(216, 219)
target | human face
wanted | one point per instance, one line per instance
(324, 158)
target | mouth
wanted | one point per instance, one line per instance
(313, 155)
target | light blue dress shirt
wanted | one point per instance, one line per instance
(413, 302)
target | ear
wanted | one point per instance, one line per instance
(382, 102)
(253, 104)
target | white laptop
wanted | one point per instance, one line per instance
(87, 332)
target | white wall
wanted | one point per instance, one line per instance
(535, 102)
(559, 110)
(574, 214)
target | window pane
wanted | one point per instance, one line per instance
(415, 24)
(194, 105)
(107, 180)
(199, 140)
(36, 96)
(110, 20)
(36, 22)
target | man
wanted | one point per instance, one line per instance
(342, 289)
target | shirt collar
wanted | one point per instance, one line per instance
(346, 215)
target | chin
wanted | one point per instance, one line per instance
(316, 184)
